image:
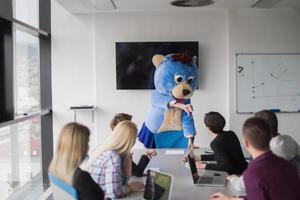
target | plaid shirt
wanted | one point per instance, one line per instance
(107, 172)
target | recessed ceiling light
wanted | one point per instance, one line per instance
(191, 3)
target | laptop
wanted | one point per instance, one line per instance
(158, 185)
(209, 179)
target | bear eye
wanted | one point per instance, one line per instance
(178, 78)
(190, 79)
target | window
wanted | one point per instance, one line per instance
(27, 11)
(26, 145)
(20, 155)
(5, 162)
(27, 77)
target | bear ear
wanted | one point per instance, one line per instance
(157, 59)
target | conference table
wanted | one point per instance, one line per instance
(170, 161)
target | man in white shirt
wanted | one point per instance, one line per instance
(286, 147)
(283, 146)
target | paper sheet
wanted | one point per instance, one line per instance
(174, 152)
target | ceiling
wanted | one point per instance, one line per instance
(93, 6)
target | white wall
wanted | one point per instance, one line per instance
(72, 65)
(207, 27)
(262, 31)
(83, 60)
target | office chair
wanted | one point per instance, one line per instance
(62, 190)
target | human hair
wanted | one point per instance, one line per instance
(71, 150)
(121, 140)
(119, 118)
(257, 132)
(214, 121)
(271, 119)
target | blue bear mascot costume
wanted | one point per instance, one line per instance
(170, 122)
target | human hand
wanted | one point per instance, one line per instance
(190, 108)
(222, 196)
(200, 165)
(185, 158)
(190, 151)
(187, 108)
(191, 144)
(231, 176)
(150, 153)
(219, 196)
(135, 186)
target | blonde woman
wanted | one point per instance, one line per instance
(72, 148)
(137, 169)
(111, 166)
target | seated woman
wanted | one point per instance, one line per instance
(72, 148)
(110, 166)
(226, 147)
(137, 169)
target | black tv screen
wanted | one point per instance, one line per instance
(134, 61)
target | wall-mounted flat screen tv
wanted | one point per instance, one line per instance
(134, 61)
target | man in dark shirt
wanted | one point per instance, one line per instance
(267, 176)
(226, 147)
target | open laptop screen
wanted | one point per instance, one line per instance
(193, 167)
(158, 186)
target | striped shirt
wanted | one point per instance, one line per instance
(107, 172)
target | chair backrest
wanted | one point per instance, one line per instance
(62, 190)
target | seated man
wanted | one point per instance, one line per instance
(267, 176)
(226, 147)
(283, 146)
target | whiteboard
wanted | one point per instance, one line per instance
(268, 81)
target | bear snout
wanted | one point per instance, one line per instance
(186, 92)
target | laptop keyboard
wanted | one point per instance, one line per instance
(205, 180)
